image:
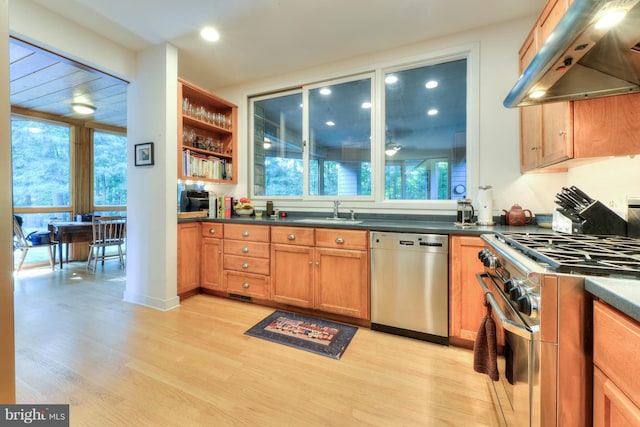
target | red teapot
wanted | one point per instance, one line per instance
(517, 215)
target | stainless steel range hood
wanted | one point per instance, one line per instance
(580, 61)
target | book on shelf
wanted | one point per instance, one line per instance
(199, 165)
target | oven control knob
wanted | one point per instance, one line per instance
(508, 285)
(488, 259)
(515, 293)
(524, 304)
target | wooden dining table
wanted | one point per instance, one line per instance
(66, 232)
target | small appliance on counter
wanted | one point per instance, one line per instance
(194, 200)
(465, 213)
(580, 214)
(485, 205)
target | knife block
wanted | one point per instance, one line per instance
(599, 219)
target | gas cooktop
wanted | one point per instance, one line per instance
(580, 254)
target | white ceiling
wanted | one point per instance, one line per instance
(262, 38)
(259, 38)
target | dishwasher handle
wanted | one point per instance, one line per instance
(508, 324)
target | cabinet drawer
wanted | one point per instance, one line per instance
(293, 235)
(254, 233)
(211, 229)
(247, 284)
(342, 239)
(252, 249)
(616, 345)
(248, 264)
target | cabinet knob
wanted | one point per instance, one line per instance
(291, 237)
(245, 234)
(534, 148)
(562, 133)
(317, 262)
(245, 249)
(339, 240)
(245, 285)
(212, 231)
(245, 265)
(310, 262)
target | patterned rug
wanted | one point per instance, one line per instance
(307, 333)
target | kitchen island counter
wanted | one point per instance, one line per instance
(623, 294)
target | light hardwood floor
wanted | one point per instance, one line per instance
(119, 364)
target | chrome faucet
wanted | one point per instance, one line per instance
(336, 203)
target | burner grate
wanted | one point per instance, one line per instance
(582, 254)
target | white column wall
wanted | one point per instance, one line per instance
(151, 190)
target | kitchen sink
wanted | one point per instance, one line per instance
(328, 221)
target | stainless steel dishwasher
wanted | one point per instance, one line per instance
(410, 285)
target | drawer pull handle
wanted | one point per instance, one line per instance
(212, 231)
(245, 249)
(291, 237)
(339, 240)
(245, 285)
(245, 265)
(245, 234)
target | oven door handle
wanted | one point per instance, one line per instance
(508, 324)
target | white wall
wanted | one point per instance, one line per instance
(36, 24)
(151, 190)
(497, 127)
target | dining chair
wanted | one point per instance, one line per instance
(20, 242)
(107, 231)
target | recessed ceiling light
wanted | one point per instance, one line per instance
(432, 111)
(325, 91)
(431, 84)
(330, 123)
(210, 34)
(83, 108)
(366, 105)
(390, 79)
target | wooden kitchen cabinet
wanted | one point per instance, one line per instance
(546, 131)
(616, 344)
(207, 135)
(323, 269)
(607, 126)
(558, 135)
(246, 260)
(212, 251)
(292, 261)
(342, 272)
(466, 300)
(188, 259)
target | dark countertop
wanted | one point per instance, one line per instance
(623, 294)
(390, 223)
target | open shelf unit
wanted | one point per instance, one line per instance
(207, 136)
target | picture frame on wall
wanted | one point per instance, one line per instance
(144, 154)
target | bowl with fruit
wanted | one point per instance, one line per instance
(243, 207)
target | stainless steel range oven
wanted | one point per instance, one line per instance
(535, 284)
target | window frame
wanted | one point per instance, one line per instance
(469, 51)
(105, 209)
